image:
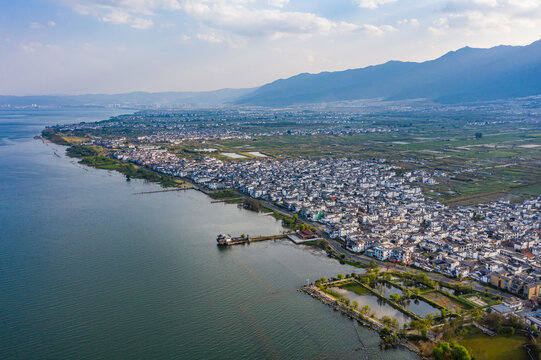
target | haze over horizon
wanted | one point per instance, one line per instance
(118, 46)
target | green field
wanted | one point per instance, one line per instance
(356, 288)
(499, 347)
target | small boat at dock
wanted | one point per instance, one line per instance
(223, 239)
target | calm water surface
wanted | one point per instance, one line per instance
(89, 269)
(377, 306)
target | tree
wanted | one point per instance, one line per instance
(323, 279)
(441, 350)
(444, 312)
(478, 217)
(341, 276)
(478, 135)
(438, 353)
(355, 304)
(386, 320)
(446, 347)
(460, 353)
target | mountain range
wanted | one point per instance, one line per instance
(132, 99)
(465, 75)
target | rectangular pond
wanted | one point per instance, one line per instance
(387, 289)
(420, 307)
(378, 306)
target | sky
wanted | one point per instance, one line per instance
(115, 46)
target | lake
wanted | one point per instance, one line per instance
(90, 269)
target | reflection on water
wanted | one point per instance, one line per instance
(378, 306)
(387, 289)
(420, 307)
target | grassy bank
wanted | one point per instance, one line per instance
(96, 157)
(224, 194)
(499, 347)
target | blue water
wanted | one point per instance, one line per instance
(89, 269)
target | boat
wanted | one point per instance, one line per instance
(223, 239)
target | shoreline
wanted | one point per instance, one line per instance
(367, 322)
(332, 248)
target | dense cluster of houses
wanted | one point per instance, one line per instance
(177, 126)
(382, 214)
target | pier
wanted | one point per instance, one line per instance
(226, 240)
(162, 191)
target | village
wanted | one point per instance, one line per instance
(375, 211)
(362, 208)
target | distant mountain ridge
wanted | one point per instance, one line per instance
(468, 74)
(204, 98)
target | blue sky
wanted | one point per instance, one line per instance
(112, 46)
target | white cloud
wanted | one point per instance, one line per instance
(278, 3)
(412, 22)
(135, 13)
(36, 25)
(378, 30)
(141, 23)
(228, 18)
(211, 38)
(487, 16)
(32, 47)
(237, 18)
(374, 4)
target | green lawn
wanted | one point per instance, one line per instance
(497, 347)
(356, 288)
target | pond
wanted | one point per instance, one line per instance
(420, 307)
(409, 283)
(378, 306)
(387, 289)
